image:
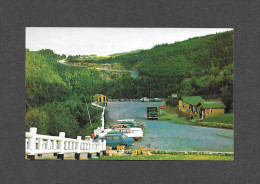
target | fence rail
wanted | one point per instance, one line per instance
(39, 144)
(130, 100)
(123, 100)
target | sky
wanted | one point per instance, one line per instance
(105, 41)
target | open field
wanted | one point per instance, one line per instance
(224, 118)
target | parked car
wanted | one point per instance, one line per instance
(136, 129)
(144, 99)
(132, 120)
(131, 123)
(113, 140)
(136, 133)
(157, 99)
(116, 132)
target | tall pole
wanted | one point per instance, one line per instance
(89, 115)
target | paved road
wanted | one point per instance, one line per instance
(133, 72)
(170, 136)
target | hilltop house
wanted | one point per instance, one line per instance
(197, 106)
(99, 98)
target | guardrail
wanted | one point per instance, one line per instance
(129, 100)
(124, 100)
(100, 129)
(40, 144)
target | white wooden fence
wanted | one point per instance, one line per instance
(100, 129)
(39, 144)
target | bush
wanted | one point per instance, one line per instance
(172, 101)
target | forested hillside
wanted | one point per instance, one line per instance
(56, 95)
(197, 66)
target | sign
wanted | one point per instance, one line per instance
(161, 107)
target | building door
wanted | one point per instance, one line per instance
(104, 99)
(203, 113)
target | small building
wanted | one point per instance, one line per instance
(189, 104)
(174, 95)
(210, 109)
(99, 98)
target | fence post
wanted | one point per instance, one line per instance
(78, 145)
(40, 144)
(104, 145)
(60, 155)
(90, 148)
(32, 143)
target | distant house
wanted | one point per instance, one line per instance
(210, 109)
(99, 98)
(189, 104)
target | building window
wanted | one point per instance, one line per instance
(209, 110)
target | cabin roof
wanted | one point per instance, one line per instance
(193, 100)
(213, 105)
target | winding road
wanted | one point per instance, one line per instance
(166, 135)
(133, 72)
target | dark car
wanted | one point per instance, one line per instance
(113, 140)
(151, 113)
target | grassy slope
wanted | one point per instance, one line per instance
(171, 114)
(224, 118)
(221, 121)
(167, 157)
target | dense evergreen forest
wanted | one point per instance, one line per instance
(197, 66)
(56, 95)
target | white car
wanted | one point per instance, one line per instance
(132, 121)
(144, 99)
(134, 129)
(136, 133)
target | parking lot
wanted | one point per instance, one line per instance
(166, 135)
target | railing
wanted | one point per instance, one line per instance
(128, 100)
(39, 144)
(100, 129)
(123, 100)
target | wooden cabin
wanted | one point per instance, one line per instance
(210, 109)
(189, 104)
(99, 98)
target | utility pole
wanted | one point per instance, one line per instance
(89, 116)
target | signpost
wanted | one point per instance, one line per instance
(161, 109)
